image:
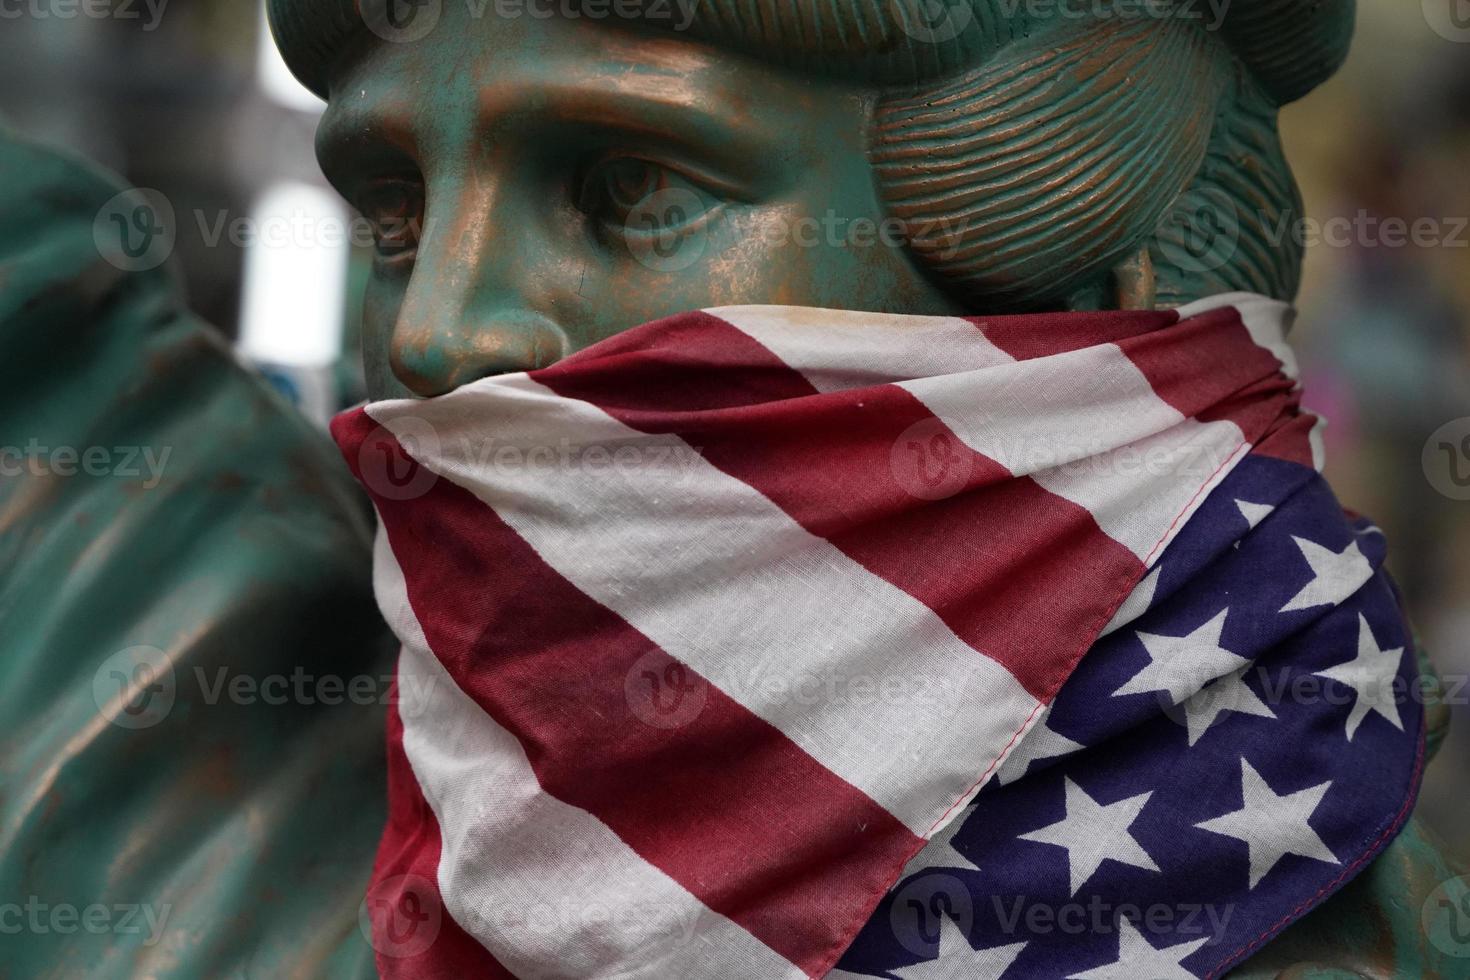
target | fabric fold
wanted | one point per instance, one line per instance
(719, 621)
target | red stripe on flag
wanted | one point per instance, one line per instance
(1290, 440)
(554, 667)
(1244, 383)
(1033, 335)
(1201, 364)
(1017, 572)
(414, 935)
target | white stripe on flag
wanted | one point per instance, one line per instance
(722, 579)
(1114, 447)
(840, 349)
(1037, 414)
(1015, 416)
(1142, 494)
(545, 886)
(1265, 319)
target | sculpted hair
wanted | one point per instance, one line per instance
(1027, 155)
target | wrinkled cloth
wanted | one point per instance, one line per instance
(759, 638)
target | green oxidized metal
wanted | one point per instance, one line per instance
(1025, 161)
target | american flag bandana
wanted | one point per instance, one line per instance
(767, 642)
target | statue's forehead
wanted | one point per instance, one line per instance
(469, 51)
(472, 77)
(1290, 46)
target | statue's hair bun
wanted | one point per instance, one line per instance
(1291, 46)
(1028, 147)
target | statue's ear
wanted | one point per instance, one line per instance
(1129, 284)
(1133, 284)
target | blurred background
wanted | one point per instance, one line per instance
(195, 103)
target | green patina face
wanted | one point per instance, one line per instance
(215, 818)
(542, 178)
(575, 180)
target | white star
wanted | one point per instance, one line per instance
(1229, 693)
(1335, 575)
(1092, 833)
(1272, 825)
(1136, 604)
(940, 852)
(1371, 675)
(1139, 960)
(1182, 665)
(1042, 742)
(958, 960)
(1253, 513)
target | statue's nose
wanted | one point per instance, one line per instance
(434, 354)
(469, 311)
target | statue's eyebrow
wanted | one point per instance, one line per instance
(671, 108)
(351, 128)
(671, 100)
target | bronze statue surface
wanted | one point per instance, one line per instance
(538, 185)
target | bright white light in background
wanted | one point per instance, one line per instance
(296, 260)
(295, 277)
(275, 79)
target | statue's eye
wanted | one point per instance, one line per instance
(395, 211)
(638, 197)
